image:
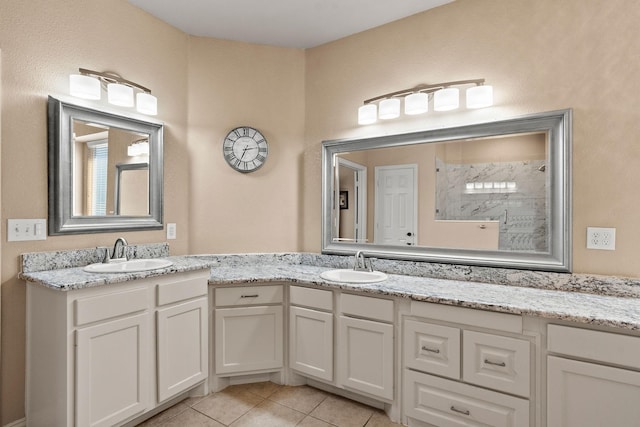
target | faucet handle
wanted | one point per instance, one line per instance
(106, 256)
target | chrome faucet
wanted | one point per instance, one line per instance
(120, 242)
(361, 262)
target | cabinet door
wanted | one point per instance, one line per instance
(248, 339)
(112, 371)
(311, 342)
(583, 394)
(365, 356)
(182, 347)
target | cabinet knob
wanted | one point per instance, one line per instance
(250, 296)
(409, 234)
(430, 350)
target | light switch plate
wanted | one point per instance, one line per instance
(171, 231)
(19, 230)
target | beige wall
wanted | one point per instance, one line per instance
(205, 88)
(42, 43)
(539, 55)
(235, 84)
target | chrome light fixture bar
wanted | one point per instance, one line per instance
(88, 85)
(445, 96)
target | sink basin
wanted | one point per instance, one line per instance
(353, 276)
(130, 266)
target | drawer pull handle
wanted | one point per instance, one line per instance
(431, 350)
(250, 296)
(489, 362)
(460, 411)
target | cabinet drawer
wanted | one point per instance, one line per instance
(595, 345)
(468, 316)
(371, 308)
(182, 290)
(432, 348)
(444, 402)
(315, 298)
(102, 307)
(249, 295)
(496, 362)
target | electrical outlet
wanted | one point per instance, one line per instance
(601, 238)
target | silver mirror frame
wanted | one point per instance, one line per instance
(60, 157)
(558, 125)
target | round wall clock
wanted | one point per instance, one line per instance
(245, 149)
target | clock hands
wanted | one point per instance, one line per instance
(244, 151)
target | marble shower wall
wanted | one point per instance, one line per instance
(522, 212)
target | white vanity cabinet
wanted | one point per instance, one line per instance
(601, 389)
(311, 332)
(248, 329)
(97, 357)
(112, 371)
(366, 346)
(181, 322)
(455, 374)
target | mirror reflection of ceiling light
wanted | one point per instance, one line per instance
(416, 100)
(88, 85)
(138, 148)
(490, 187)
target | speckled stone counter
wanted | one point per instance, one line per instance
(597, 300)
(618, 312)
(63, 270)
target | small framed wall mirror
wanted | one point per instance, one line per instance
(494, 194)
(105, 170)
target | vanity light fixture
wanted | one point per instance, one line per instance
(88, 85)
(389, 108)
(446, 99)
(120, 95)
(367, 114)
(445, 96)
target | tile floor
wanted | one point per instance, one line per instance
(270, 405)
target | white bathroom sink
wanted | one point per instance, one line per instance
(353, 276)
(130, 266)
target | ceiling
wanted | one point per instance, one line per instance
(287, 23)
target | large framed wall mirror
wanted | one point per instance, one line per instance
(495, 194)
(105, 170)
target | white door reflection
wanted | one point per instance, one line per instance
(396, 207)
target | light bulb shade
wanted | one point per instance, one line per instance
(86, 87)
(120, 95)
(367, 114)
(446, 99)
(389, 108)
(480, 96)
(146, 103)
(416, 103)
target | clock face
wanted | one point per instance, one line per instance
(245, 149)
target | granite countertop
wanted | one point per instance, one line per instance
(73, 278)
(603, 310)
(596, 300)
